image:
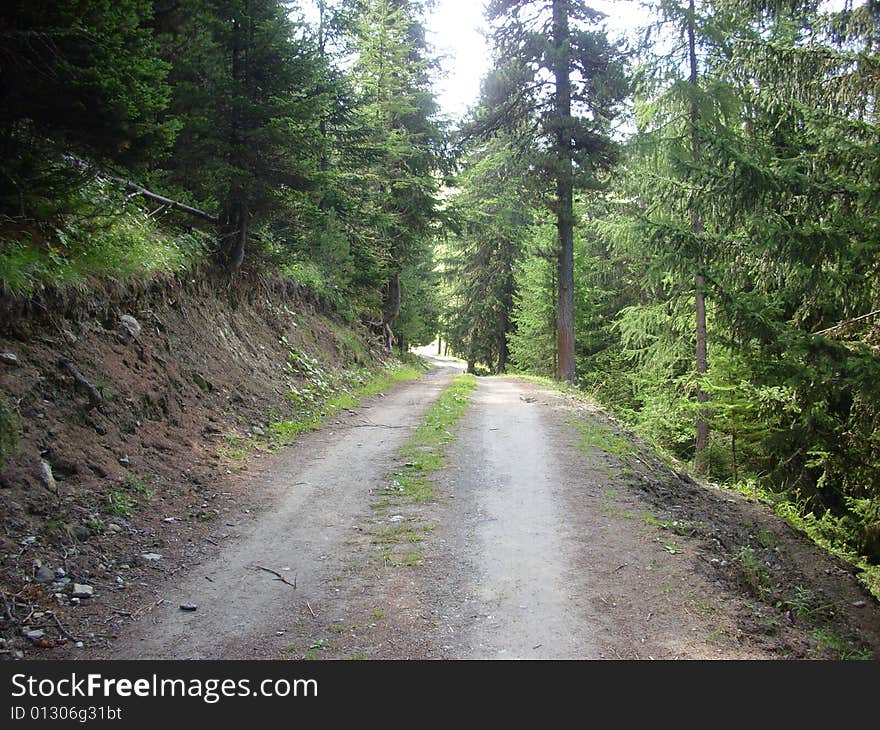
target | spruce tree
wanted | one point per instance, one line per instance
(557, 87)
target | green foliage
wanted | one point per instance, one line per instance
(79, 76)
(533, 343)
(493, 220)
(103, 238)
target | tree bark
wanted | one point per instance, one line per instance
(565, 367)
(702, 425)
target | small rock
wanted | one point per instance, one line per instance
(74, 601)
(82, 533)
(47, 478)
(200, 380)
(9, 358)
(151, 556)
(129, 327)
(859, 604)
(60, 584)
(124, 460)
(258, 430)
(170, 519)
(30, 540)
(60, 573)
(114, 527)
(396, 518)
(44, 575)
(78, 645)
(82, 590)
(120, 580)
(35, 635)
(188, 607)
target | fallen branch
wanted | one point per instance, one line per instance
(133, 187)
(95, 397)
(309, 606)
(277, 575)
(376, 425)
(847, 322)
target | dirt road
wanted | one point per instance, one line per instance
(550, 536)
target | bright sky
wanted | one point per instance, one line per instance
(455, 31)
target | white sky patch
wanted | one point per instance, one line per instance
(456, 30)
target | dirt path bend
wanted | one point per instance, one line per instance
(320, 490)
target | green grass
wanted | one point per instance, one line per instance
(316, 404)
(425, 452)
(824, 531)
(423, 455)
(842, 648)
(107, 239)
(598, 436)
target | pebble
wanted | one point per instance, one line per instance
(9, 358)
(82, 590)
(189, 607)
(151, 556)
(396, 518)
(78, 645)
(113, 527)
(860, 604)
(44, 575)
(35, 635)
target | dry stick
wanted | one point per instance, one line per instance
(277, 575)
(61, 628)
(376, 425)
(309, 606)
(95, 398)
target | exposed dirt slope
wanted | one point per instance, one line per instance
(145, 462)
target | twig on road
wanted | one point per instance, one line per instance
(277, 575)
(309, 606)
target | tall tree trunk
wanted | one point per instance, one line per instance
(503, 328)
(702, 434)
(564, 194)
(238, 234)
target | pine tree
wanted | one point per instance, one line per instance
(247, 97)
(557, 87)
(401, 145)
(77, 78)
(495, 222)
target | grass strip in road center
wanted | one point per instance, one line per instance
(425, 452)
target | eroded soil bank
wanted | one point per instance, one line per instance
(134, 413)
